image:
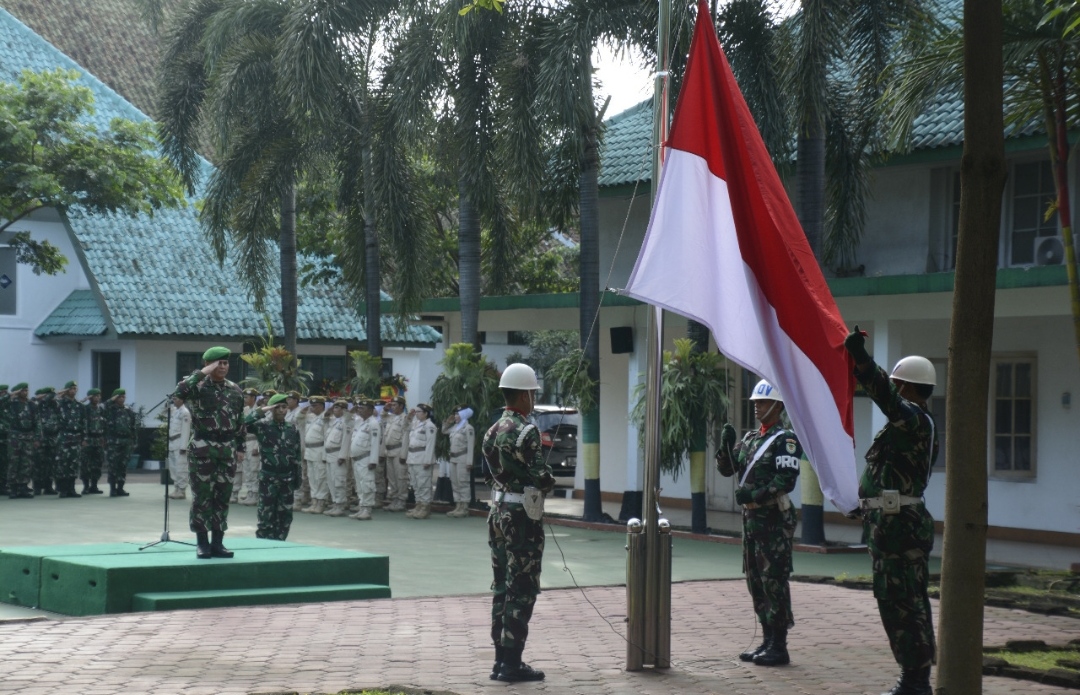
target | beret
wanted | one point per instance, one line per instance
(93, 392)
(277, 398)
(21, 386)
(251, 392)
(70, 385)
(3, 387)
(118, 392)
(41, 391)
(216, 353)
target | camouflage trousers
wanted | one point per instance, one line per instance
(211, 470)
(517, 548)
(3, 462)
(45, 460)
(900, 548)
(68, 456)
(274, 512)
(20, 460)
(117, 453)
(93, 460)
(767, 545)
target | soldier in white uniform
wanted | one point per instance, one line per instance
(294, 416)
(395, 431)
(364, 450)
(337, 457)
(179, 437)
(462, 440)
(314, 436)
(246, 477)
(381, 480)
(421, 459)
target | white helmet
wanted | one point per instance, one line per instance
(915, 370)
(764, 391)
(519, 376)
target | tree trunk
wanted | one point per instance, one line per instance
(588, 316)
(982, 181)
(468, 265)
(699, 333)
(287, 249)
(372, 276)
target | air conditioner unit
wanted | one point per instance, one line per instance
(1049, 251)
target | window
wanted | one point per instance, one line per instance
(1013, 417)
(517, 337)
(1033, 237)
(325, 370)
(8, 285)
(188, 362)
(106, 371)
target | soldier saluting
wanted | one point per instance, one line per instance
(24, 431)
(767, 463)
(217, 446)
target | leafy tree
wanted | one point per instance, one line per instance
(51, 156)
(469, 379)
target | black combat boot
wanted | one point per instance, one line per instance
(47, 488)
(86, 488)
(766, 634)
(94, 490)
(775, 653)
(514, 670)
(913, 681)
(217, 547)
(120, 491)
(71, 488)
(37, 487)
(61, 487)
(21, 492)
(499, 656)
(202, 545)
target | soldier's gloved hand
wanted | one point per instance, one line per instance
(546, 483)
(727, 438)
(855, 342)
(743, 496)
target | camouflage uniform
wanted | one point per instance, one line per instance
(120, 431)
(901, 458)
(73, 429)
(217, 436)
(5, 398)
(511, 448)
(94, 448)
(49, 447)
(24, 433)
(768, 519)
(279, 476)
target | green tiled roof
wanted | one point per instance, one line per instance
(156, 275)
(78, 315)
(624, 153)
(107, 37)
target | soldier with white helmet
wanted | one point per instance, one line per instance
(900, 530)
(767, 463)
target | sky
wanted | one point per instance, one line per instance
(627, 84)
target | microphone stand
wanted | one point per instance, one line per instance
(165, 531)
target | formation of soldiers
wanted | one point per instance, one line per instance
(52, 439)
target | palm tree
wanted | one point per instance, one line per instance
(217, 69)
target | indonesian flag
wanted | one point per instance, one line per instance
(725, 248)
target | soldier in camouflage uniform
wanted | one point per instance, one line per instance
(767, 463)
(279, 442)
(5, 398)
(511, 448)
(120, 432)
(24, 432)
(217, 446)
(93, 456)
(48, 448)
(900, 530)
(72, 433)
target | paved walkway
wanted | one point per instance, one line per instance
(434, 634)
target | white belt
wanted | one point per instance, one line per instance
(879, 502)
(508, 497)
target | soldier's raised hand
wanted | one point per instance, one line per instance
(855, 343)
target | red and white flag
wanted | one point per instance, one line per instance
(725, 248)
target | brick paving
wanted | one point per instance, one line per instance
(441, 644)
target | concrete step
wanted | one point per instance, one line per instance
(172, 600)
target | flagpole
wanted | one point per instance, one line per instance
(648, 588)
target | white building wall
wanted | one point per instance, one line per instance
(23, 357)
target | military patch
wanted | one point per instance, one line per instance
(791, 445)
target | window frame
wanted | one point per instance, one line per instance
(1009, 208)
(1012, 475)
(12, 260)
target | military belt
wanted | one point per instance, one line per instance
(334, 450)
(499, 497)
(312, 445)
(363, 454)
(414, 449)
(890, 501)
(783, 501)
(174, 436)
(391, 447)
